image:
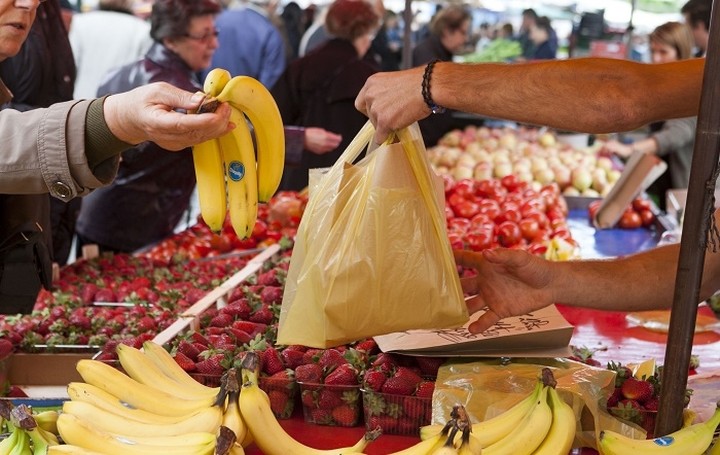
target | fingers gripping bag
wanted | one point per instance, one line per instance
(371, 253)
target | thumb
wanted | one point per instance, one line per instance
(504, 256)
(484, 322)
(183, 99)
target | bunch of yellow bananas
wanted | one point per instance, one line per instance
(690, 440)
(541, 423)
(229, 178)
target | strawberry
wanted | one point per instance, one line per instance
(251, 328)
(197, 337)
(271, 294)
(308, 398)
(87, 294)
(425, 389)
(263, 315)
(240, 308)
(312, 355)
(628, 410)
(331, 359)
(368, 346)
(408, 375)
(329, 399)
(221, 320)
(105, 295)
(652, 404)
(345, 415)
(374, 380)
(636, 389)
(280, 403)
(271, 361)
(320, 416)
(292, 357)
(211, 366)
(429, 366)
(309, 372)
(6, 348)
(268, 278)
(621, 372)
(344, 374)
(388, 424)
(146, 324)
(398, 386)
(408, 425)
(240, 336)
(386, 362)
(185, 362)
(614, 398)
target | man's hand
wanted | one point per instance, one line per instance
(392, 101)
(320, 141)
(149, 113)
(508, 283)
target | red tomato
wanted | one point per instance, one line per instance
(456, 240)
(259, 230)
(466, 209)
(508, 234)
(509, 211)
(529, 228)
(449, 214)
(538, 248)
(480, 239)
(485, 188)
(640, 204)
(647, 217)
(540, 217)
(448, 183)
(458, 224)
(593, 209)
(464, 188)
(510, 182)
(482, 221)
(489, 207)
(630, 220)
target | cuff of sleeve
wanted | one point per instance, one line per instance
(294, 144)
(100, 143)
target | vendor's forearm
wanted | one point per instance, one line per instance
(100, 142)
(590, 95)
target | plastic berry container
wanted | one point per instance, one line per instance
(334, 405)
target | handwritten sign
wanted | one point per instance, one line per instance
(543, 333)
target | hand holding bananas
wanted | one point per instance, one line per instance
(229, 178)
(148, 113)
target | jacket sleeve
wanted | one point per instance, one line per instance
(44, 152)
(675, 135)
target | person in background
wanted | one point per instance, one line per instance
(318, 90)
(105, 39)
(673, 140)
(541, 33)
(250, 43)
(514, 282)
(293, 27)
(448, 34)
(42, 74)
(697, 16)
(394, 34)
(529, 16)
(153, 188)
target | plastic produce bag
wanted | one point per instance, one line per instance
(490, 387)
(371, 253)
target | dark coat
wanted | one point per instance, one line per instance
(319, 90)
(153, 186)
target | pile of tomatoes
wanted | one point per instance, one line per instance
(504, 212)
(639, 213)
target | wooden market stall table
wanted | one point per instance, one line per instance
(615, 337)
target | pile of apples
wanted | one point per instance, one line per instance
(533, 156)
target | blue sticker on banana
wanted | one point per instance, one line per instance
(664, 441)
(236, 171)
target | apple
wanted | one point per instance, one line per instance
(546, 140)
(544, 176)
(502, 169)
(581, 179)
(483, 171)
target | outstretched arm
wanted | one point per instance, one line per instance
(587, 95)
(514, 282)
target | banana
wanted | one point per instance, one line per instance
(22, 444)
(530, 432)
(8, 444)
(142, 369)
(715, 449)
(691, 440)
(237, 449)
(561, 435)
(255, 101)
(167, 364)
(77, 432)
(47, 420)
(238, 154)
(269, 436)
(428, 444)
(448, 446)
(470, 445)
(80, 391)
(69, 448)
(492, 430)
(206, 420)
(210, 177)
(215, 81)
(41, 441)
(232, 418)
(135, 394)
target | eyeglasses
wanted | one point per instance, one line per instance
(205, 38)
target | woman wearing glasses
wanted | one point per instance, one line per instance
(153, 188)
